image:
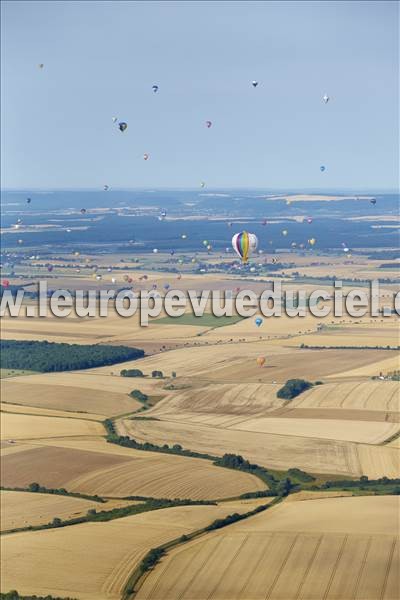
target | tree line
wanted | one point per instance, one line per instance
(52, 356)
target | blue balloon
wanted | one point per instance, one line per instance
(258, 321)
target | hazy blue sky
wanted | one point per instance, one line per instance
(101, 59)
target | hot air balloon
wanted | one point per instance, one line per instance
(312, 241)
(322, 168)
(76, 253)
(209, 247)
(325, 98)
(202, 184)
(50, 268)
(146, 156)
(254, 84)
(155, 250)
(163, 214)
(284, 232)
(184, 236)
(309, 220)
(68, 230)
(113, 280)
(208, 124)
(5, 283)
(40, 65)
(258, 321)
(260, 361)
(166, 286)
(28, 200)
(20, 241)
(244, 244)
(106, 188)
(346, 249)
(122, 126)
(83, 210)
(373, 200)
(205, 242)
(172, 252)
(154, 88)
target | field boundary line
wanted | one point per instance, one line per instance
(335, 566)
(388, 566)
(362, 566)
(309, 565)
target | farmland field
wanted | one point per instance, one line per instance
(105, 469)
(20, 509)
(101, 556)
(36, 426)
(322, 548)
(269, 450)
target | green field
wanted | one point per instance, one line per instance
(15, 372)
(206, 320)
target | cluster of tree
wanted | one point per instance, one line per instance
(138, 395)
(292, 388)
(300, 475)
(218, 523)
(363, 482)
(131, 373)
(157, 374)
(236, 461)
(41, 489)
(127, 442)
(51, 356)
(151, 559)
(14, 595)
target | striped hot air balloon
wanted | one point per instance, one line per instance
(244, 244)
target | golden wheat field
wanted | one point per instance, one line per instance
(20, 426)
(95, 560)
(271, 450)
(322, 548)
(74, 398)
(20, 509)
(356, 395)
(95, 467)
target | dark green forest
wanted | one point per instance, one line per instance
(50, 356)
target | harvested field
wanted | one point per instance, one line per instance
(67, 397)
(20, 509)
(369, 432)
(274, 451)
(47, 412)
(341, 414)
(233, 363)
(101, 556)
(19, 426)
(384, 364)
(364, 395)
(299, 550)
(52, 467)
(124, 472)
